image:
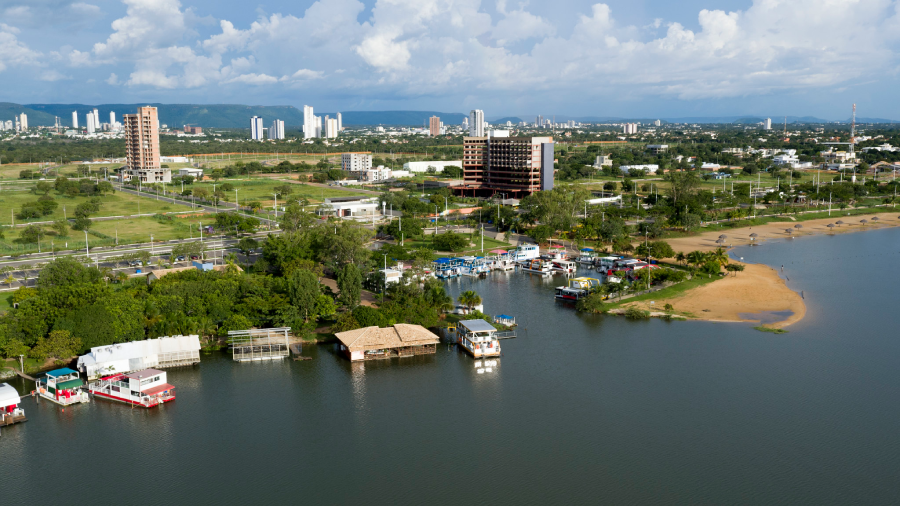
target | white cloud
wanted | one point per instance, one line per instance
(307, 74)
(12, 51)
(113, 79)
(52, 75)
(255, 79)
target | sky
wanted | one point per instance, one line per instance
(571, 58)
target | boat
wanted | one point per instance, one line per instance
(537, 267)
(62, 386)
(564, 266)
(10, 412)
(146, 388)
(525, 253)
(587, 256)
(447, 268)
(578, 288)
(475, 267)
(478, 338)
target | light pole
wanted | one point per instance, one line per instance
(86, 245)
(276, 205)
(237, 206)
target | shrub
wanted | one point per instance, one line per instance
(593, 303)
(634, 313)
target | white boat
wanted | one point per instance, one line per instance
(146, 388)
(578, 288)
(537, 267)
(564, 266)
(478, 338)
(10, 412)
(62, 386)
(525, 252)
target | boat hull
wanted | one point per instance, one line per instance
(132, 402)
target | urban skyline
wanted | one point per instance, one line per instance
(622, 59)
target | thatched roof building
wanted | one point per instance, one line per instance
(401, 340)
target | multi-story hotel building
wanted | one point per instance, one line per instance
(516, 166)
(434, 126)
(142, 148)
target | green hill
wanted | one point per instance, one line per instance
(8, 111)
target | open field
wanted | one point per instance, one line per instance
(262, 189)
(489, 244)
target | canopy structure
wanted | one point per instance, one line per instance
(61, 372)
(171, 351)
(558, 246)
(499, 251)
(68, 385)
(9, 396)
(504, 316)
(442, 260)
(587, 249)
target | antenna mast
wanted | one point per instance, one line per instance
(853, 130)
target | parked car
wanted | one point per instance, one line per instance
(194, 257)
(179, 258)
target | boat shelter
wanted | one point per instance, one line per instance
(172, 351)
(259, 344)
(401, 340)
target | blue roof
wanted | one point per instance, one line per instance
(504, 316)
(61, 372)
(442, 261)
(587, 249)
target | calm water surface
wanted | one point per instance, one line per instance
(580, 410)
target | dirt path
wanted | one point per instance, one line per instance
(367, 298)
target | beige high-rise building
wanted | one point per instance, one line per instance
(142, 147)
(434, 126)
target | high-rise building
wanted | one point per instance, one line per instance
(96, 119)
(465, 123)
(630, 128)
(517, 166)
(356, 162)
(142, 147)
(476, 123)
(331, 127)
(340, 123)
(539, 122)
(89, 121)
(112, 118)
(256, 128)
(276, 131)
(657, 123)
(74, 119)
(23, 121)
(309, 122)
(434, 126)
(768, 123)
(318, 126)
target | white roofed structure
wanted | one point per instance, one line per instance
(9, 396)
(158, 353)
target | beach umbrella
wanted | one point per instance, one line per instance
(798, 226)
(723, 236)
(874, 218)
(789, 231)
(754, 235)
(831, 226)
(720, 241)
(863, 221)
(498, 251)
(839, 222)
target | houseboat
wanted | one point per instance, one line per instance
(447, 268)
(563, 266)
(525, 253)
(62, 386)
(374, 343)
(10, 412)
(578, 288)
(537, 267)
(587, 256)
(478, 338)
(475, 267)
(146, 388)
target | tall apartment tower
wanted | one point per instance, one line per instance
(434, 126)
(256, 128)
(74, 119)
(89, 120)
(96, 119)
(318, 128)
(340, 123)
(112, 119)
(23, 121)
(768, 123)
(142, 147)
(476, 123)
(331, 127)
(276, 131)
(516, 166)
(309, 122)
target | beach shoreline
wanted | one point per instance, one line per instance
(758, 289)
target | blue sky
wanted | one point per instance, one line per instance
(635, 58)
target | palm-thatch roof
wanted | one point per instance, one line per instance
(375, 338)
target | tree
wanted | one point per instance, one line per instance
(246, 245)
(349, 282)
(303, 290)
(82, 223)
(65, 271)
(42, 187)
(59, 344)
(32, 233)
(295, 218)
(284, 190)
(735, 268)
(683, 184)
(449, 241)
(593, 303)
(470, 299)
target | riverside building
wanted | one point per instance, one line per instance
(142, 148)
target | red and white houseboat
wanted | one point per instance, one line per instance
(62, 386)
(564, 266)
(147, 388)
(10, 412)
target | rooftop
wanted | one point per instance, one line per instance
(376, 338)
(478, 325)
(146, 373)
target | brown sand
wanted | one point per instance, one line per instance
(758, 288)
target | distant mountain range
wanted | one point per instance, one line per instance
(238, 116)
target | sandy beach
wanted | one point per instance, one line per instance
(758, 289)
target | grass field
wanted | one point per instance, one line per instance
(489, 244)
(262, 190)
(116, 204)
(668, 292)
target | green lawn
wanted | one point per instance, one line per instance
(669, 292)
(262, 190)
(489, 244)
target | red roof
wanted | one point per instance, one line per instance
(156, 390)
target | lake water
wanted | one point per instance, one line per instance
(579, 410)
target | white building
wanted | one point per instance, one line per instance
(435, 167)
(112, 119)
(137, 355)
(96, 119)
(8, 125)
(476, 123)
(256, 128)
(331, 128)
(603, 161)
(174, 159)
(630, 128)
(379, 173)
(768, 124)
(356, 162)
(657, 123)
(318, 126)
(23, 122)
(649, 168)
(465, 124)
(74, 119)
(195, 173)
(785, 159)
(340, 125)
(350, 207)
(89, 121)
(276, 131)
(309, 122)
